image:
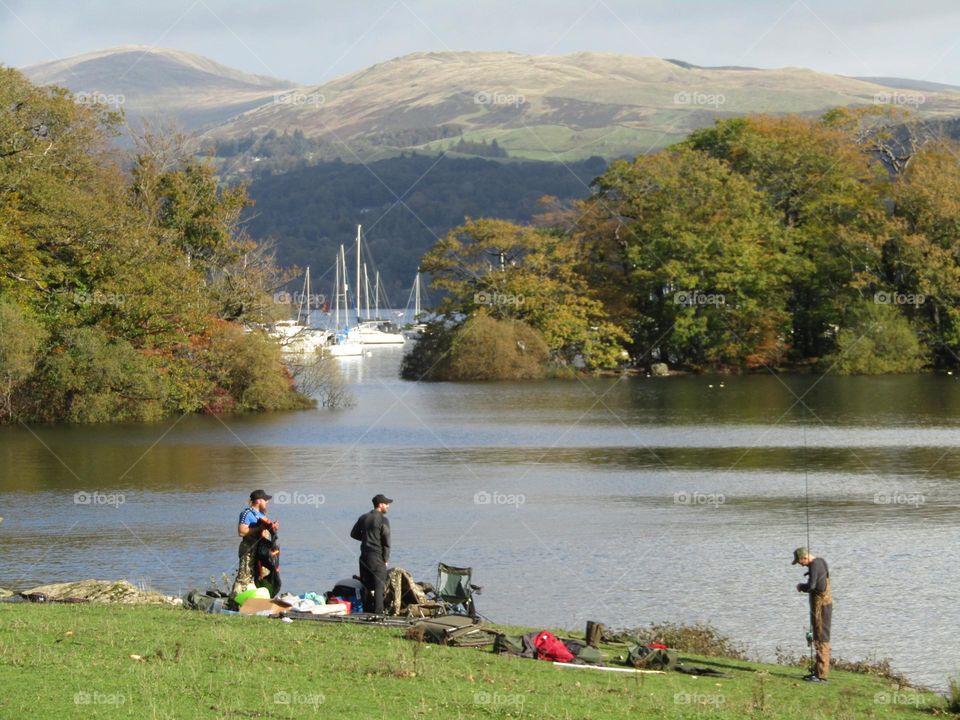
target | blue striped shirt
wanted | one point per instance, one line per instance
(250, 516)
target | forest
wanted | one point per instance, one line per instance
(125, 281)
(761, 243)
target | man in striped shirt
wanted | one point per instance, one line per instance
(253, 521)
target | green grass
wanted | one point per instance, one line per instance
(108, 661)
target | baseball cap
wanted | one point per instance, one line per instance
(259, 495)
(381, 498)
(799, 553)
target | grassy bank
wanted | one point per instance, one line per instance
(59, 661)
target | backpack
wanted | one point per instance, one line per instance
(266, 556)
(402, 592)
(452, 630)
(652, 657)
(549, 647)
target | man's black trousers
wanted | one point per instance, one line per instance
(373, 575)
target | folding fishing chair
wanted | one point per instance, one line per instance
(455, 590)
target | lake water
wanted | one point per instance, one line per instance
(625, 501)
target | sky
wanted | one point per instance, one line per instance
(313, 41)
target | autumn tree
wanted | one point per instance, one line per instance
(696, 256)
(514, 272)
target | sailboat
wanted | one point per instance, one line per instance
(296, 335)
(372, 331)
(416, 328)
(340, 344)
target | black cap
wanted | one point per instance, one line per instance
(259, 495)
(381, 498)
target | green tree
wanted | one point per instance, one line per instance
(826, 190)
(877, 340)
(480, 348)
(923, 259)
(121, 276)
(691, 258)
(22, 337)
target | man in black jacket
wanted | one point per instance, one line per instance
(373, 531)
(821, 609)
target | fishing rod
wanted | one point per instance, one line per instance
(806, 492)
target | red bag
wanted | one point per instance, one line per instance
(549, 647)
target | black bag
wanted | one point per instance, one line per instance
(651, 658)
(203, 601)
(351, 590)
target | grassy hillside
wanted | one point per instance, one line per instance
(160, 662)
(545, 107)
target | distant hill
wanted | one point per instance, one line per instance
(908, 84)
(544, 107)
(146, 81)
(557, 108)
(310, 211)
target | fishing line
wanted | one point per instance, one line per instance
(806, 492)
(806, 483)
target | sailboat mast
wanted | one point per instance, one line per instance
(356, 289)
(416, 296)
(376, 302)
(366, 291)
(307, 293)
(336, 296)
(346, 296)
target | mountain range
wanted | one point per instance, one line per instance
(557, 108)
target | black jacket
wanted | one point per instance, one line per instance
(817, 572)
(373, 531)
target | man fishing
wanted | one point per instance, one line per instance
(372, 529)
(821, 609)
(253, 521)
